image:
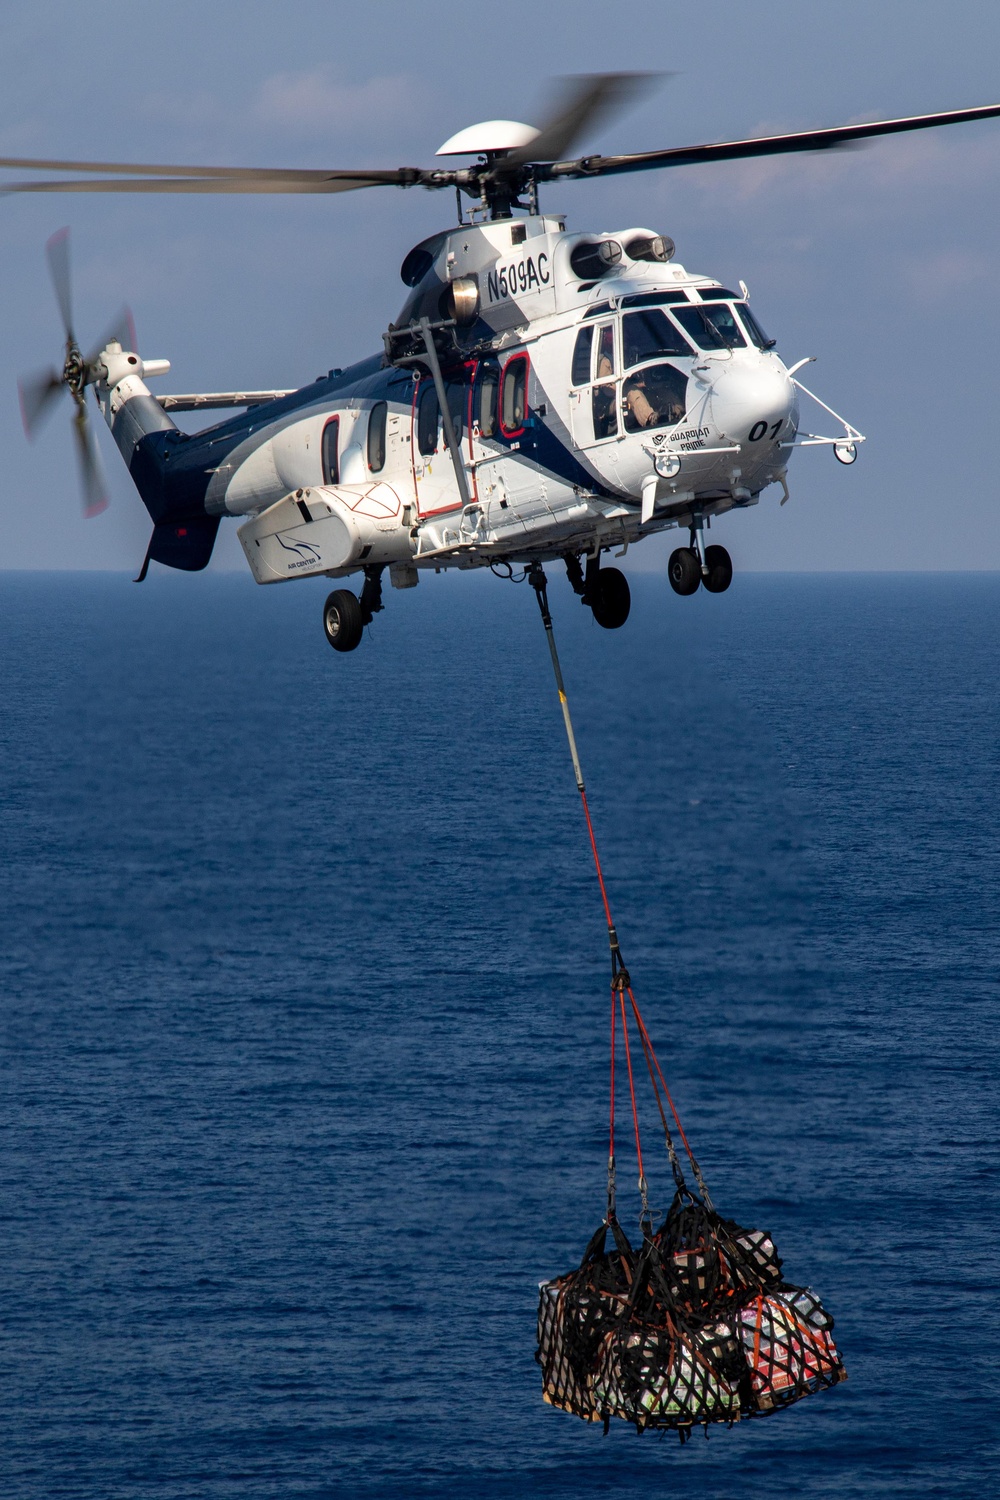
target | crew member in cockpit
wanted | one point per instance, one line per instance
(654, 397)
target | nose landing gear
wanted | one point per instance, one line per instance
(684, 570)
(697, 564)
(718, 571)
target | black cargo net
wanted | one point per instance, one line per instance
(696, 1324)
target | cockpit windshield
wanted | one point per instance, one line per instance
(754, 329)
(648, 334)
(712, 327)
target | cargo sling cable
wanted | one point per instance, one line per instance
(698, 1325)
(621, 981)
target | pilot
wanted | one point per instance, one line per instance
(643, 413)
(654, 404)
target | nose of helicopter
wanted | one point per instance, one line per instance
(749, 397)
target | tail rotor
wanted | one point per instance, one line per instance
(39, 392)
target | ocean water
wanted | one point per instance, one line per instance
(304, 1047)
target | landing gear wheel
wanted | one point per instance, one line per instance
(684, 570)
(343, 621)
(610, 598)
(720, 570)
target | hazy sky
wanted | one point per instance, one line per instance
(882, 261)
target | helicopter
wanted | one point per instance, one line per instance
(543, 395)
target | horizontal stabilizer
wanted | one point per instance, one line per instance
(209, 399)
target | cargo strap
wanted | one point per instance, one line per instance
(621, 980)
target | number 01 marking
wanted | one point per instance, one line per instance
(758, 430)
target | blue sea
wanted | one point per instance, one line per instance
(304, 999)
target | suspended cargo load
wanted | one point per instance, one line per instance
(684, 1331)
(697, 1325)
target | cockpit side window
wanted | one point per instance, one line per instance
(711, 327)
(427, 419)
(581, 356)
(650, 333)
(605, 352)
(604, 398)
(654, 397)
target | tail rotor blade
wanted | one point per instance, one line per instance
(38, 395)
(122, 331)
(95, 495)
(125, 332)
(57, 254)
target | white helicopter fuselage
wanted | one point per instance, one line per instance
(599, 392)
(520, 505)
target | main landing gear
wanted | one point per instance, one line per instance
(696, 565)
(345, 615)
(604, 590)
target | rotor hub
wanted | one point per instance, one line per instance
(74, 370)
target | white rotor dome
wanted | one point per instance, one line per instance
(489, 135)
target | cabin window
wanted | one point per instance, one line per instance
(486, 401)
(581, 356)
(458, 395)
(376, 436)
(711, 327)
(514, 396)
(649, 334)
(654, 397)
(328, 451)
(427, 419)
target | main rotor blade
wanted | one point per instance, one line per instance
(770, 145)
(146, 169)
(38, 394)
(57, 255)
(586, 102)
(136, 177)
(322, 182)
(95, 495)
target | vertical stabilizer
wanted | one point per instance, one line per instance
(183, 535)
